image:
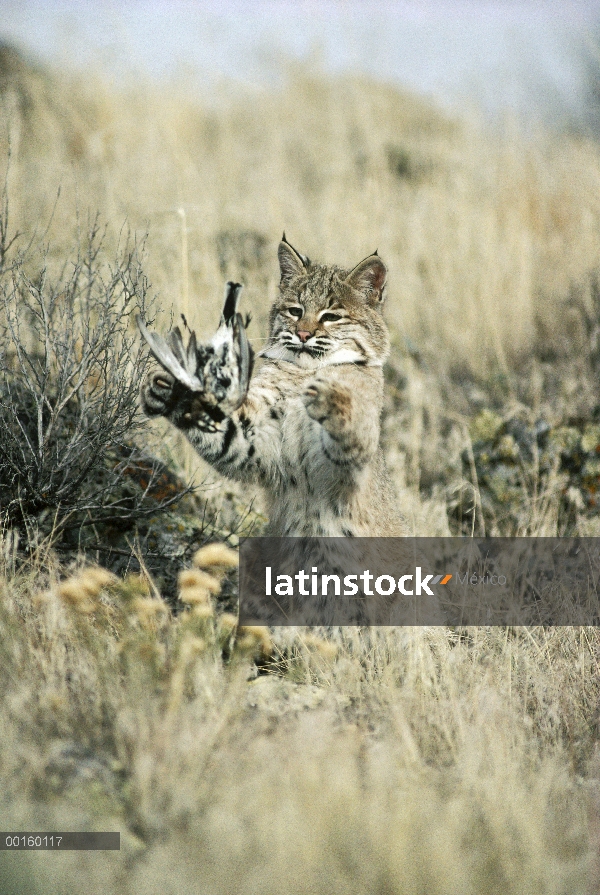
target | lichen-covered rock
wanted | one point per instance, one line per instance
(518, 461)
(485, 427)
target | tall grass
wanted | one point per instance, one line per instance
(483, 233)
(416, 760)
(400, 761)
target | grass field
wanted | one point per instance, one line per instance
(427, 761)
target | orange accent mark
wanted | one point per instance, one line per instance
(445, 579)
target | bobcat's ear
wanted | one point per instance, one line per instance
(291, 262)
(369, 278)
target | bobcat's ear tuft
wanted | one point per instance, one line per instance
(369, 278)
(291, 262)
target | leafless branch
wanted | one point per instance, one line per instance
(70, 370)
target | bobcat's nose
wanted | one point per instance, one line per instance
(303, 335)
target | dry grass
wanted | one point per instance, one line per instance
(414, 761)
(482, 233)
(418, 760)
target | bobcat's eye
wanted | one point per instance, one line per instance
(328, 317)
(295, 312)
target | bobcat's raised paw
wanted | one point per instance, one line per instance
(328, 403)
(158, 393)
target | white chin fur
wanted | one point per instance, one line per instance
(343, 356)
(307, 361)
(300, 358)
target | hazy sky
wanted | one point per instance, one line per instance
(524, 55)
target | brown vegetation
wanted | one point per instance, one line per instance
(413, 760)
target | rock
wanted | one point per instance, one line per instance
(485, 426)
(277, 696)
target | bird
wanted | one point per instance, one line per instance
(217, 373)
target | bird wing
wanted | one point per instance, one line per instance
(245, 357)
(233, 330)
(172, 356)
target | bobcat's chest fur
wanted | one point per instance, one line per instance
(304, 498)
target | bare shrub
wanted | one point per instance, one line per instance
(70, 371)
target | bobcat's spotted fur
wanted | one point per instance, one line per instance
(308, 431)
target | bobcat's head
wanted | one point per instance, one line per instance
(325, 315)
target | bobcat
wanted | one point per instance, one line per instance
(308, 430)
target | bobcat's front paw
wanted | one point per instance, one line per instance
(158, 394)
(329, 403)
